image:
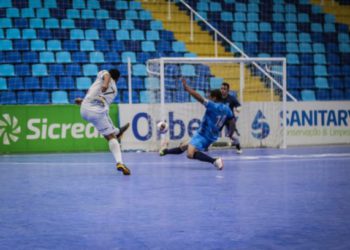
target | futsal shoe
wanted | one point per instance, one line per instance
(161, 152)
(122, 130)
(239, 149)
(219, 164)
(121, 167)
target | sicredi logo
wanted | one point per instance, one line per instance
(260, 128)
(9, 129)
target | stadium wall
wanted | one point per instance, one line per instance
(308, 123)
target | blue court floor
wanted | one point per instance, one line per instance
(298, 198)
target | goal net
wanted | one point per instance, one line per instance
(258, 83)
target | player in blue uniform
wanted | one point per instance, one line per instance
(215, 116)
(235, 106)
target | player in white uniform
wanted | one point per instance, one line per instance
(95, 109)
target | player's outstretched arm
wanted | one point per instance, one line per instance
(191, 91)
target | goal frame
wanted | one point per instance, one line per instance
(238, 60)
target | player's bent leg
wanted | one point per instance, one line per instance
(171, 151)
(122, 130)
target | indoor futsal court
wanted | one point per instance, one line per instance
(298, 198)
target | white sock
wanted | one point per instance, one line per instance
(114, 147)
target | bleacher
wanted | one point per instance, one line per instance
(316, 47)
(52, 50)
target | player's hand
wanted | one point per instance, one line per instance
(78, 101)
(103, 88)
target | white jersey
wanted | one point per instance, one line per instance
(97, 101)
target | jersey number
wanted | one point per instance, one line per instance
(220, 120)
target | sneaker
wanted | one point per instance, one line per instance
(239, 151)
(122, 130)
(162, 152)
(121, 167)
(219, 164)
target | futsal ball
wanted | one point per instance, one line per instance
(162, 126)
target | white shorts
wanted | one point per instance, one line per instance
(101, 121)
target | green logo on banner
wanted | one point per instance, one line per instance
(9, 129)
(51, 128)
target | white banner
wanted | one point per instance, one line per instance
(308, 123)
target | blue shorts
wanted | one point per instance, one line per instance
(200, 142)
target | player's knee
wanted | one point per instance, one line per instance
(189, 155)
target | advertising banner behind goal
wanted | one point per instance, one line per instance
(53, 128)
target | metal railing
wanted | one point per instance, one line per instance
(219, 34)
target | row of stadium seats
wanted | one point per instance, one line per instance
(54, 23)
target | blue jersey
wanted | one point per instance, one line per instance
(214, 118)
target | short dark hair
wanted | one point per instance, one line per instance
(115, 74)
(226, 84)
(217, 94)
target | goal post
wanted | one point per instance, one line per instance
(258, 83)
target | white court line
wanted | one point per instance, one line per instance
(288, 156)
(240, 158)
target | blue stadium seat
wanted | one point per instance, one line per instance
(54, 45)
(49, 83)
(66, 82)
(73, 70)
(3, 83)
(6, 70)
(308, 95)
(63, 57)
(90, 70)
(102, 14)
(39, 70)
(265, 27)
(97, 57)
(156, 25)
(41, 97)
(291, 27)
(179, 47)
(172, 70)
(36, 23)
(59, 97)
(112, 57)
(73, 94)
(152, 83)
(5, 23)
(83, 83)
(37, 45)
(12, 57)
(202, 70)
(121, 5)
(152, 35)
(87, 45)
(27, 13)
(321, 83)
(52, 23)
(137, 35)
(128, 54)
(148, 46)
(46, 57)
(91, 34)
(337, 94)
(138, 83)
(139, 70)
(87, 14)
(8, 97)
(12, 12)
(24, 97)
(292, 59)
(6, 45)
(127, 25)
(122, 35)
(188, 70)
(31, 83)
(131, 15)
(21, 70)
(67, 24)
(70, 45)
(13, 34)
(215, 82)
(291, 37)
(73, 14)
(323, 94)
(56, 70)
(320, 70)
(15, 83)
(42, 13)
(77, 34)
(112, 24)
